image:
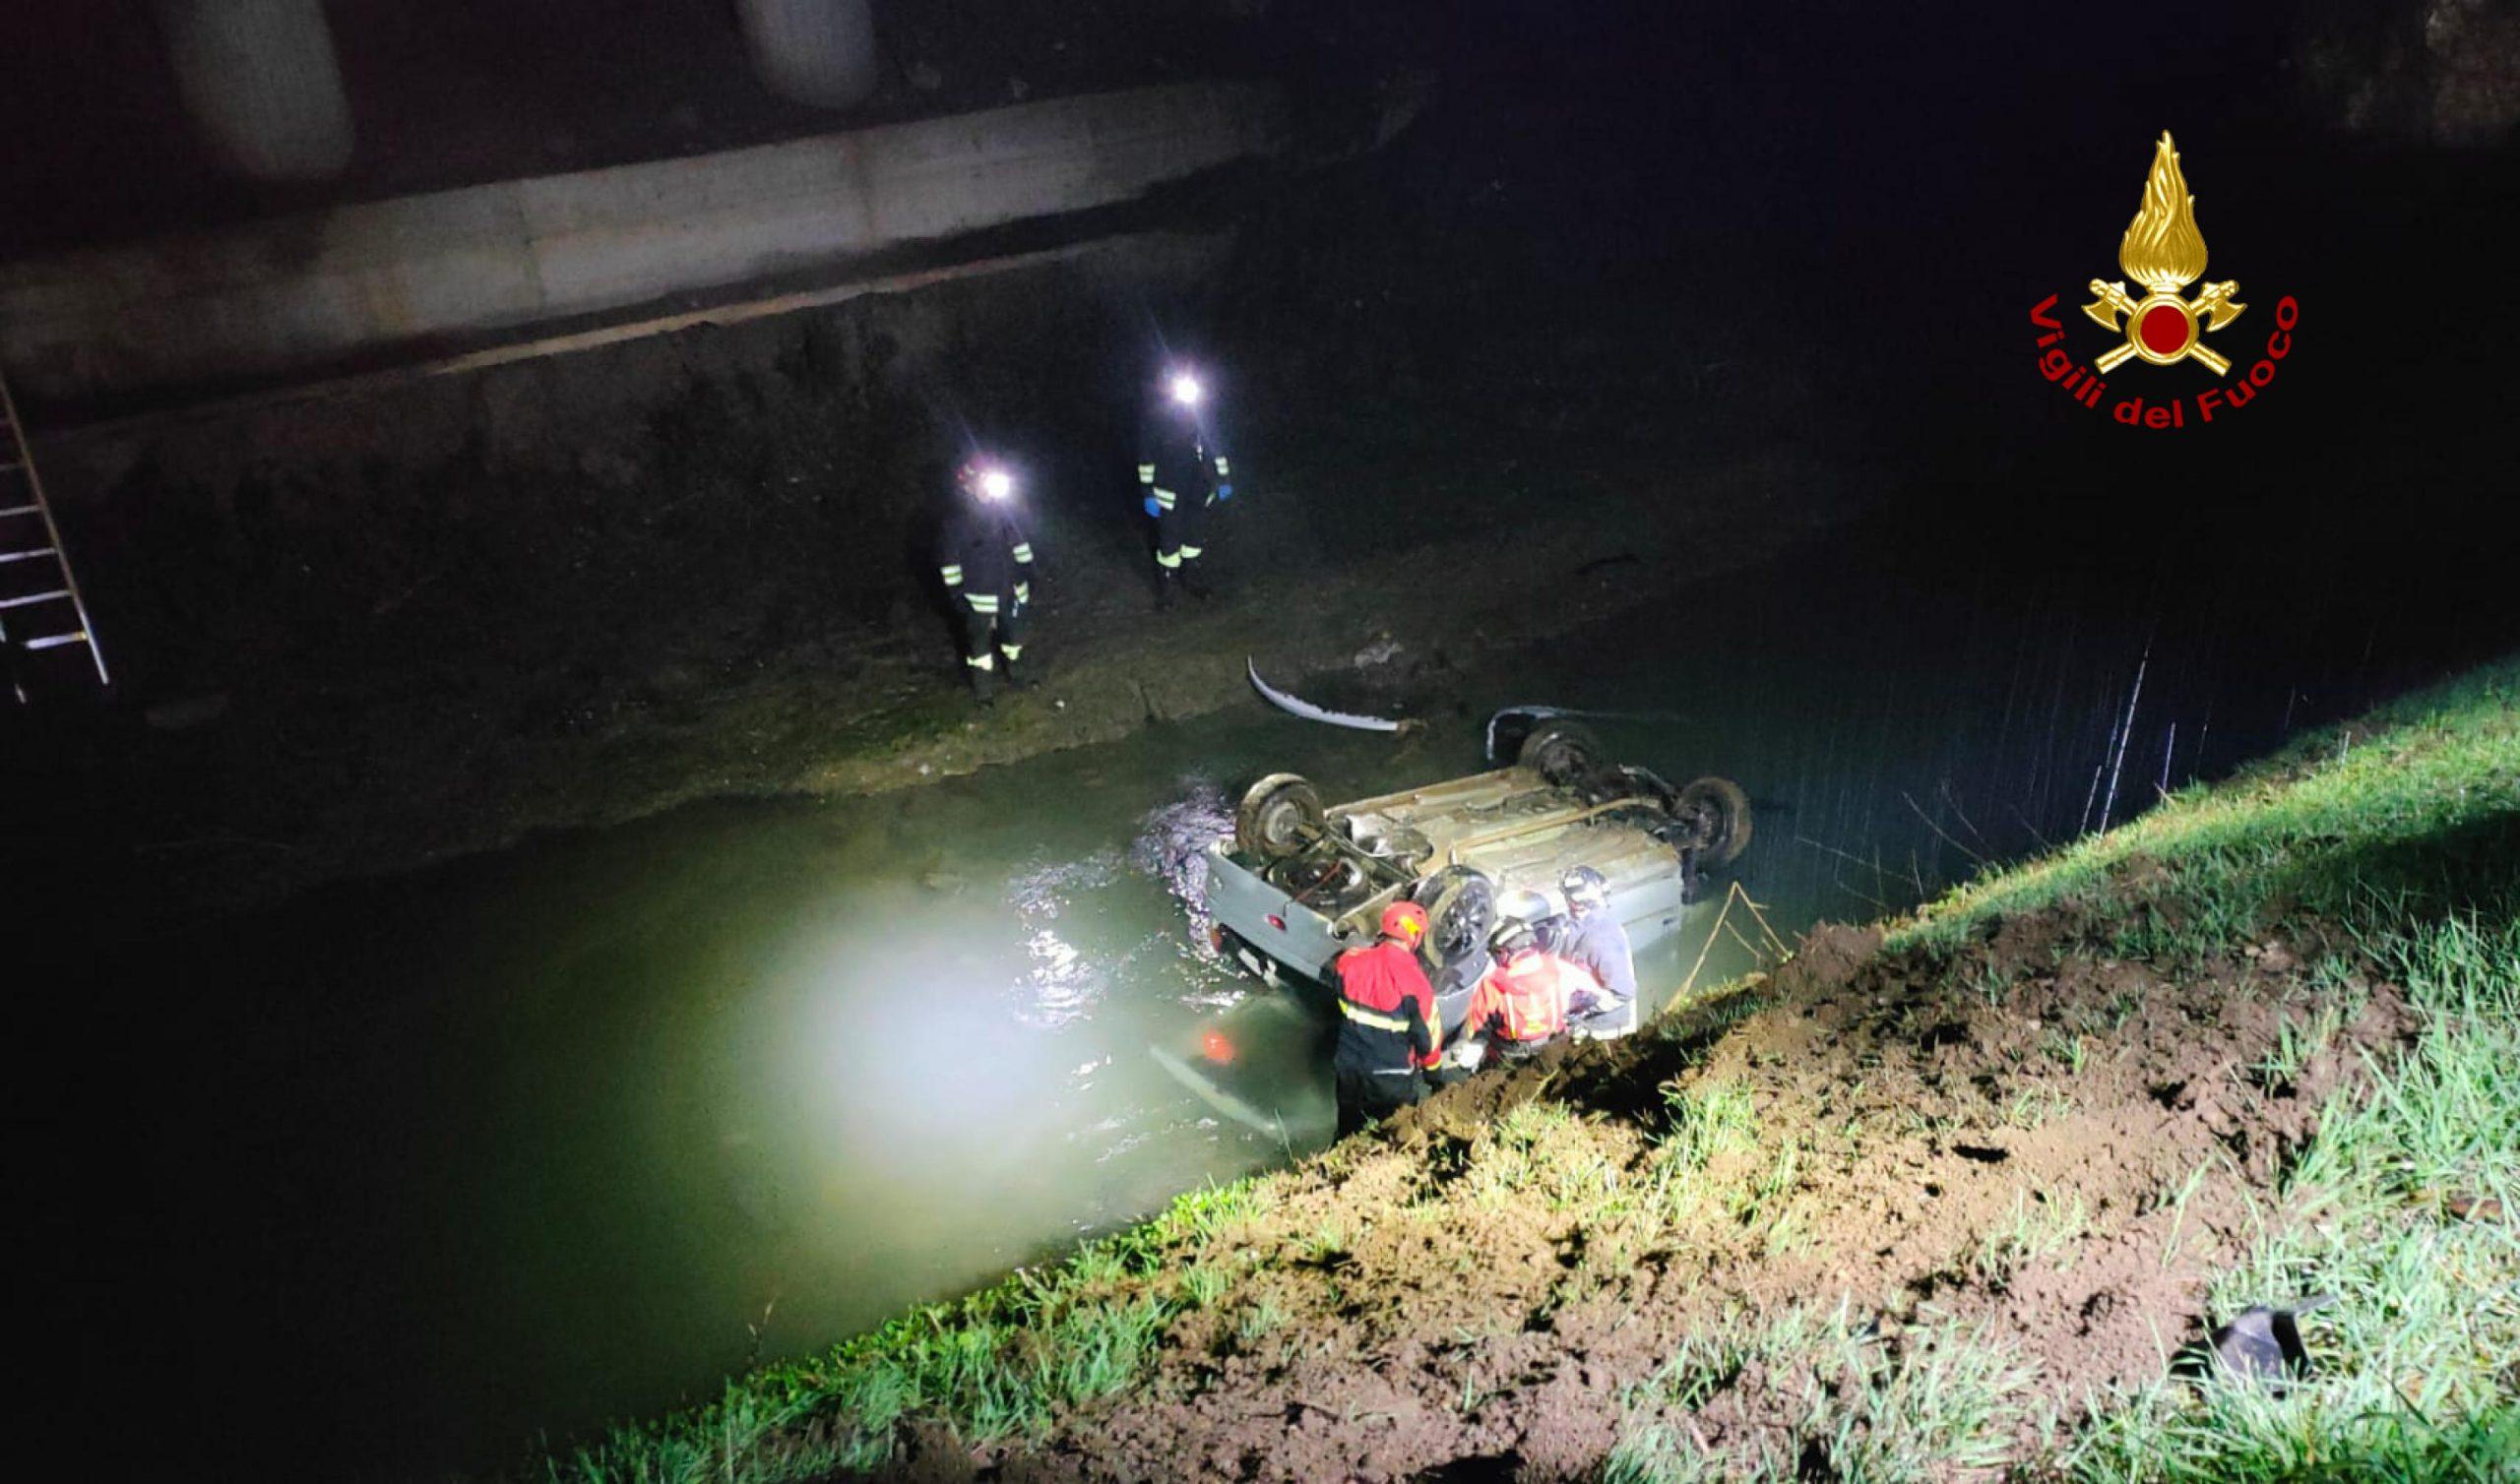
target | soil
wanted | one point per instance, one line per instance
(1926, 1116)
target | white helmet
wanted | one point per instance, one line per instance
(1585, 889)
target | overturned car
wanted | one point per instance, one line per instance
(1298, 882)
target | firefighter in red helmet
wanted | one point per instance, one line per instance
(1389, 1033)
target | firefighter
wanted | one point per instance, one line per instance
(1388, 1030)
(986, 561)
(1183, 476)
(1592, 936)
(1521, 1002)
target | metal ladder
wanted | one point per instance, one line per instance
(40, 609)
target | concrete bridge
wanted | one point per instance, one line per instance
(359, 284)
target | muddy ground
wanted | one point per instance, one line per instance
(2021, 1158)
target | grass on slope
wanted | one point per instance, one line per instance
(2396, 840)
(995, 1365)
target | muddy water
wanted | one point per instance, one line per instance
(570, 1133)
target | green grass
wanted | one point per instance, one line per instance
(1934, 1401)
(2418, 1356)
(2039, 1226)
(2390, 852)
(996, 1365)
(2409, 813)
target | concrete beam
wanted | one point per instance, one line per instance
(261, 80)
(302, 295)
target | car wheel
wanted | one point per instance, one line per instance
(1278, 816)
(1562, 752)
(1716, 818)
(1461, 909)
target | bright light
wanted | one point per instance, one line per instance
(996, 483)
(1186, 389)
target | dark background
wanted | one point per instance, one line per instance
(1672, 230)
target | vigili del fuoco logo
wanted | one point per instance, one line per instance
(2163, 252)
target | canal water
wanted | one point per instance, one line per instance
(568, 1134)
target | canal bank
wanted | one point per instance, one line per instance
(568, 1131)
(1943, 1195)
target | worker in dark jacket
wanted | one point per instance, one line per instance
(986, 562)
(1389, 1033)
(1182, 477)
(1592, 936)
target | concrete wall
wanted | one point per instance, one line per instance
(302, 294)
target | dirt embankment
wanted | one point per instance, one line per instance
(2055, 1160)
(1934, 1207)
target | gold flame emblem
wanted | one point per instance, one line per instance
(2164, 252)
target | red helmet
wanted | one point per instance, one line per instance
(1406, 921)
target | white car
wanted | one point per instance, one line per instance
(1300, 883)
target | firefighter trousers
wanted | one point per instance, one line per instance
(1181, 530)
(1364, 1096)
(993, 625)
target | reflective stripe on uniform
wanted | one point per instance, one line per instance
(983, 602)
(1013, 652)
(1222, 470)
(1188, 551)
(1167, 559)
(1023, 551)
(980, 661)
(1146, 473)
(1374, 1018)
(1165, 498)
(1023, 593)
(953, 575)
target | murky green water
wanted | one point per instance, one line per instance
(571, 1132)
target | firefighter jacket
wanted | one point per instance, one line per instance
(1526, 997)
(1387, 1019)
(986, 549)
(1179, 464)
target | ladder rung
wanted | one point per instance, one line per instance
(28, 556)
(20, 510)
(56, 640)
(34, 597)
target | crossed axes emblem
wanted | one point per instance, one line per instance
(2162, 328)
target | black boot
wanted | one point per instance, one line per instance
(1168, 588)
(983, 685)
(1017, 677)
(1195, 582)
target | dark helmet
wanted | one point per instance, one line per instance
(1585, 889)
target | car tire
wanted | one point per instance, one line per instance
(1564, 753)
(1722, 815)
(1461, 909)
(1278, 816)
